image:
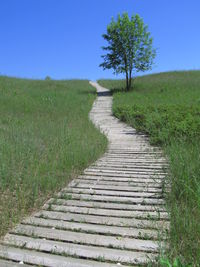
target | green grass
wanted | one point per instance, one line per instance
(167, 107)
(46, 139)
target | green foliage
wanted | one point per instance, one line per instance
(176, 263)
(162, 122)
(166, 106)
(129, 46)
(45, 140)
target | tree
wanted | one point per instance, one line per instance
(129, 47)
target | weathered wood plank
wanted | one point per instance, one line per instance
(149, 180)
(5, 263)
(106, 205)
(120, 199)
(131, 183)
(95, 219)
(121, 175)
(129, 169)
(86, 238)
(115, 171)
(107, 212)
(77, 250)
(101, 192)
(111, 187)
(95, 228)
(47, 259)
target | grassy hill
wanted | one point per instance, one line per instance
(167, 107)
(45, 140)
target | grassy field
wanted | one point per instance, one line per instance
(45, 140)
(167, 107)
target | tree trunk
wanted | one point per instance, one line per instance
(130, 80)
(127, 81)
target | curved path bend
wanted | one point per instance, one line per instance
(113, 214)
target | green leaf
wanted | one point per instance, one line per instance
(165, 263)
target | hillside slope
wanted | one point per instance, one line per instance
(45, 139)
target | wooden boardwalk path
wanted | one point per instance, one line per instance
(113, 214)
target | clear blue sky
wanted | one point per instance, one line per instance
(62, 38)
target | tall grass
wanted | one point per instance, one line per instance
(167, 107)
(46, 139)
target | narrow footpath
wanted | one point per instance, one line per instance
(111, 215)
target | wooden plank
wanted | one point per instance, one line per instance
(139, 176)
(131, 161)
(130, 157)
(95, 219)
(107, 212)
(5, 263)
(103, 192)
(47, 259)
(129, 188)
(132, 154)
(115, 171)
(106, 205)
(121, 178)
(130, 165)
(130, 168)
(132, 151)
(86, 238)
(96, 228)
(120, 199)
(78, 250)
(122, 184)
